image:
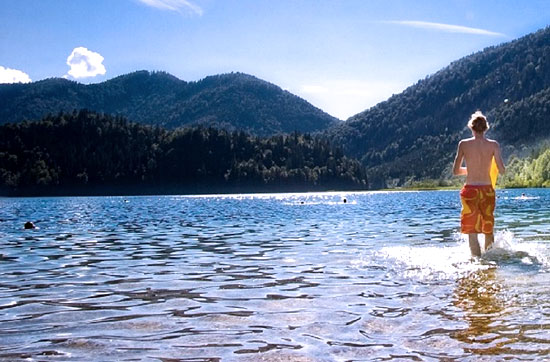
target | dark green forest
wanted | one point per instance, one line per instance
(85, 152)
(413, 135)
(408, 140)
(234, 101)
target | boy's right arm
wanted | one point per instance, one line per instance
(457, 165)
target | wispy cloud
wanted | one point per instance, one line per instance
(449, 28)
(173, 5)
(8, 75)
(85, 63)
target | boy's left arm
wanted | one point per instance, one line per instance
(498, 159)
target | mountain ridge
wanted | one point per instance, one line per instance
(413, 135)
(234, 101)
(409, 137)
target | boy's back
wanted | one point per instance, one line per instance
(478, 154)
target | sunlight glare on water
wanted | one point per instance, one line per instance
(303, 277)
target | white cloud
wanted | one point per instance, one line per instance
(345, 98)
(8, 75)
(444, 27)
(173, 5)
(85, 63)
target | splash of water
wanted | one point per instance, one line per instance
(430, 262)
(450, 261)
(509, 250)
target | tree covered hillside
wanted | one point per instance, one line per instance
(413, 135)
(89, 153)
(233, 101)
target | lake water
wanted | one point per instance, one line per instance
(272, 277)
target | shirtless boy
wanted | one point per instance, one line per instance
(477, 195)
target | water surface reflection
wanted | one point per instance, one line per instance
(270, 277)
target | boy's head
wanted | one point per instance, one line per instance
(478, 123)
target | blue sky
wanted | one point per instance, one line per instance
(343, 56)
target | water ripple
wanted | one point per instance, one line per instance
(298, 277)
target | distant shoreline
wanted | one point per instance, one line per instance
(206, 191)
(162, 191)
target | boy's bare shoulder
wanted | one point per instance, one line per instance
(466, 140)
(492, 142)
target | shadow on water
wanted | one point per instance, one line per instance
(500, 323)
(301, 277)
(503, 305)
(478, 296)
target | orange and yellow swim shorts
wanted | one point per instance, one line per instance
(478, 206)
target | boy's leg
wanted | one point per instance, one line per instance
(474, 245)
(489, 240)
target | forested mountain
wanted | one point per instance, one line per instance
(88, 153)
(413, 135)
(232, 101)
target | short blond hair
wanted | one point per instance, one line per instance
(478, 122)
